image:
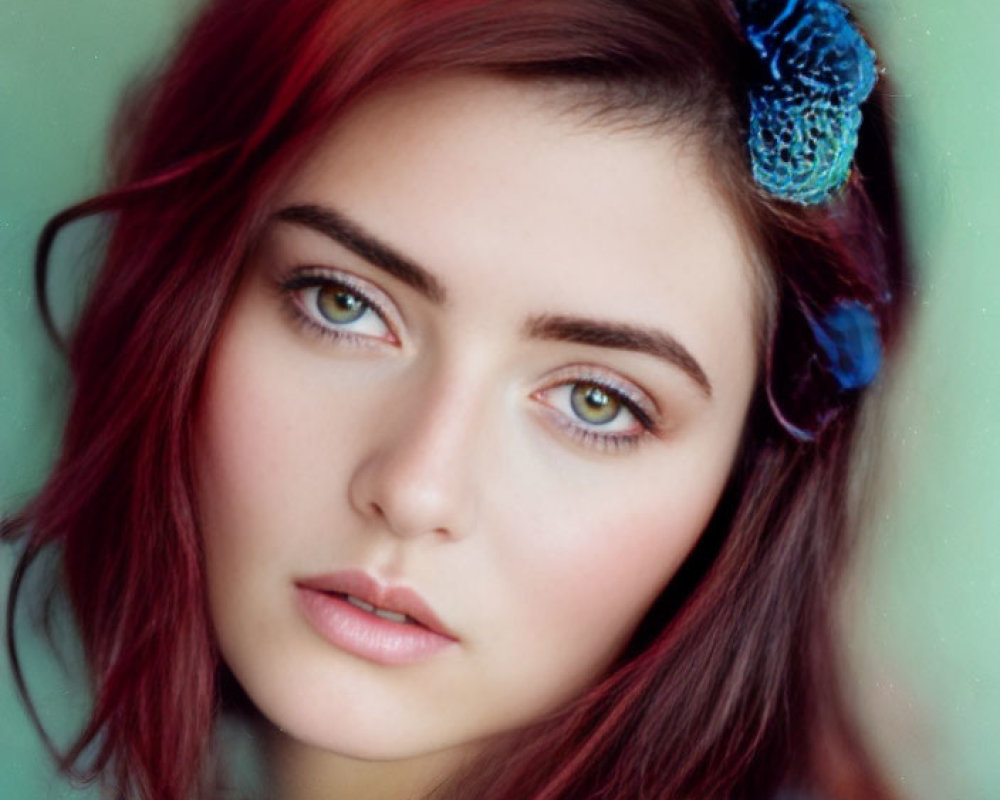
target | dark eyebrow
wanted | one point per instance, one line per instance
(620, 337)
(352, 236)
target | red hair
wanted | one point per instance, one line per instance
(730, 688)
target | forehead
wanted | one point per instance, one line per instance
(494, 184)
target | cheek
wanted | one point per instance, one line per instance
(261, 448)
(585, 567)
(621, 557)
(256, 463)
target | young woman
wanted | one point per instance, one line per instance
(471, 394)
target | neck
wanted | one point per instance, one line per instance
(304, 772)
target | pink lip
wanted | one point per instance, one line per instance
(364, 634)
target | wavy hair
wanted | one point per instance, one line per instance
(731, 687)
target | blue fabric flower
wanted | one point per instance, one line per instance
(804, 118)
(849, 337)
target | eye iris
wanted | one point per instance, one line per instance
(340, 305)
(593, 404)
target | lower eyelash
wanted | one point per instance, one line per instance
(611, 442)
(302, 321)
(601, 442)
(312, 328)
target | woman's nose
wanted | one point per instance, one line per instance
(416, 475)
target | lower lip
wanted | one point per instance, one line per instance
(366, 635)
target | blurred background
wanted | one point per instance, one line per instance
(924, 610)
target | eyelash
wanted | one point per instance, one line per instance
(301, 280)
(629, 398)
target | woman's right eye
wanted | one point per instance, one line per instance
(338, 305)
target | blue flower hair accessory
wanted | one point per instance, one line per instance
(849, 337)
(846, 335)
(815, 71)
(805, 113)
(823, 356)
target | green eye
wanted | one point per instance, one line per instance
(339, 305)
(593, 404)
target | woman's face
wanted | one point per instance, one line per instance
(487, 368)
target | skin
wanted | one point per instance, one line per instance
(438, 448)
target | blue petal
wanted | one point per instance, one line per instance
(849, 337)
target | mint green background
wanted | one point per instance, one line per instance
(923, 622)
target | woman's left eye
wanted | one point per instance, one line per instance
(599, 412)
(339, 305)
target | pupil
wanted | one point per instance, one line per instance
(596, 399)
(346, 301)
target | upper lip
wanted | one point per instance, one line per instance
(363, 586)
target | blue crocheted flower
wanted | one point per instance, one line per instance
(804, 119)
(849, 337)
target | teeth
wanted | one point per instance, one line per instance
(354, 601)
(392, 616)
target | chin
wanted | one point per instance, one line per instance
(350, 717)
